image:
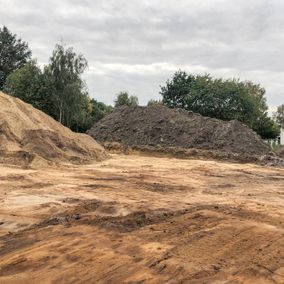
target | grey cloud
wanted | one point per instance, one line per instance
(137, 45)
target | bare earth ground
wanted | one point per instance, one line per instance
(135, 219)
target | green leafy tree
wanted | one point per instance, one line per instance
(154, 102)
(64, 73)
(32, 86)
(99, 110)
(219, 98)
(58, 90)
(92, 112)
(178, 91)
(279, 115)
(82, 119)
(25, 83)
(48, 91)
(266, 127)
(123, 99)
(14, 53)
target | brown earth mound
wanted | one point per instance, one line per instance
(160, 126)
(281, 152)
(30, 137)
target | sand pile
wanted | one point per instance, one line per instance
(160, 126)
(29, 137)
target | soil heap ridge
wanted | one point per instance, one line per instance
(159, 126)
(30, 137)
(281, 152)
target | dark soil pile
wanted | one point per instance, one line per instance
(281, 152)
(29, 137)
(160, 126)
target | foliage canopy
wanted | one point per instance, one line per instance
(223, 99)
(124, 99)
(14, 53)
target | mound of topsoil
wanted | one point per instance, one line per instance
(159, 126)
(281, 152)
(29, 137)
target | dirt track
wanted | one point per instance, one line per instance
(134, 219)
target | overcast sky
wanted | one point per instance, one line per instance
(136, 45)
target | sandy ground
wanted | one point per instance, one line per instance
(135, 219)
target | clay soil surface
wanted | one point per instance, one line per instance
(136, 219)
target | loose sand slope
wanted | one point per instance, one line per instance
(164, 127)
(134, 219)
(28, 135)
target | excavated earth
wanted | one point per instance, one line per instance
(163, 128)
(29, 137)
(139, 219)
(281, 152)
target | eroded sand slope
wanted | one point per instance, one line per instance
(29, 137)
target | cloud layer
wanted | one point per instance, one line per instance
(137, 45)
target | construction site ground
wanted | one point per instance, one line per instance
(140, 219)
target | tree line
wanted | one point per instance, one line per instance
(223, 99)
(59, 90)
